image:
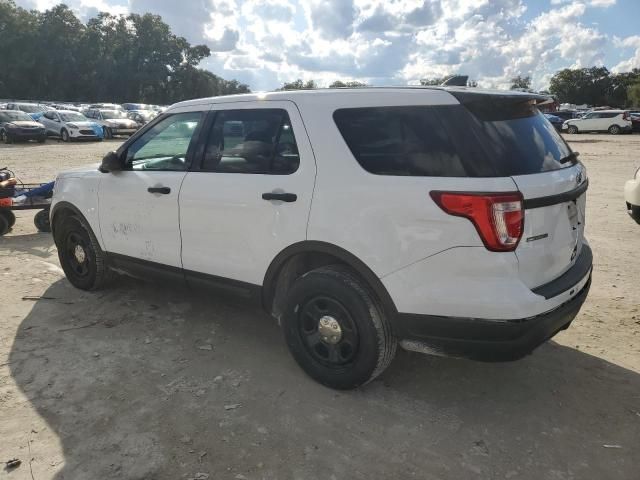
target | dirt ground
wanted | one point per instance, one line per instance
(142, 381)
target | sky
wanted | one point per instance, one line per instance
(394, 42)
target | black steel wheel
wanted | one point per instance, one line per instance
(9, 215)
(41, 221)
(328, 332)
(335, 329)
(80, 254)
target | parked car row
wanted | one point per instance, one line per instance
(24, 121)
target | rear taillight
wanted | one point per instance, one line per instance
(498, 217)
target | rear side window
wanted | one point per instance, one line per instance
(482, 140)
(252, 141)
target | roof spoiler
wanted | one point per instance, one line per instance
(466, 96)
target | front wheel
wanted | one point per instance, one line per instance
(335, 329)
(614, 130)
(572, 129)
(64, 135)
(80, 255)
(107, 133)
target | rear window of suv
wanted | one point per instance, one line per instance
(481, 140)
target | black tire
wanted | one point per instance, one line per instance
(363, 346)
(106, 132)
(614, 130)
(85, 269)
(6, 138)
(10, 216)
(64, 135)
(42, 222)
(42, 139)
(634, 211)
(572, 129)
(4, 225)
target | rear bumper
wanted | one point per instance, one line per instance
(486, 340)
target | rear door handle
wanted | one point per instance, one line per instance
(162, 190)
(285, 197)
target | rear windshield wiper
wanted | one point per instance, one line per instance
(573, 156)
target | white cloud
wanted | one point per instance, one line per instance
(267, 42)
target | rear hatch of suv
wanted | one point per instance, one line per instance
(517, 141)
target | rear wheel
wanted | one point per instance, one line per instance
(572, 129)
(614, 130)
(41, 221)
(10, 216)
(80, 255)
(4, 225)
(335, 330)
(64, 135)
(42, 139)
(107, 133)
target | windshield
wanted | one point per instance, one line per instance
(15, 117)
(109, 114)
(73, 117)
(31, 108)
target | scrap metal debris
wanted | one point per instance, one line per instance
(13, 463)
(232, 406)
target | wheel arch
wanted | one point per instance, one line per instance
(63, 209)
(302, 257)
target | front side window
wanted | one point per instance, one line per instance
(165, 145)
(257, 141)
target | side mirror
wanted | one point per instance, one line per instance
(110, 163)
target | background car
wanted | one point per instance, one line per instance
(141, 117)
(566, 114)
(70, 125)
(136, 106)
(106, 106)
(635, 121)
(113, 122)
(612, 121)
(632, 196)
(35, 110)
(16, 125)
(555, 121)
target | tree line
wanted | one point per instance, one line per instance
(134, 58)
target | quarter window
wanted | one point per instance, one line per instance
(257, 141)
(165, 146)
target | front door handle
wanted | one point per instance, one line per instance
(162, 190)
(285, 197)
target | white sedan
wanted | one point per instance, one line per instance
(632, 196)
(70, 125)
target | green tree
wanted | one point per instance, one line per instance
(352, 84)
(54, 56)
(520, 82)
(432, 82)
(633, 94)
(300, 85)
(592, 86)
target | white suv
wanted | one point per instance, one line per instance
(449, 221)
(612, 121)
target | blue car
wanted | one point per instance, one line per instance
(555, 121)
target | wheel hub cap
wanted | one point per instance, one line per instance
(80, 254)
(329, 330)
